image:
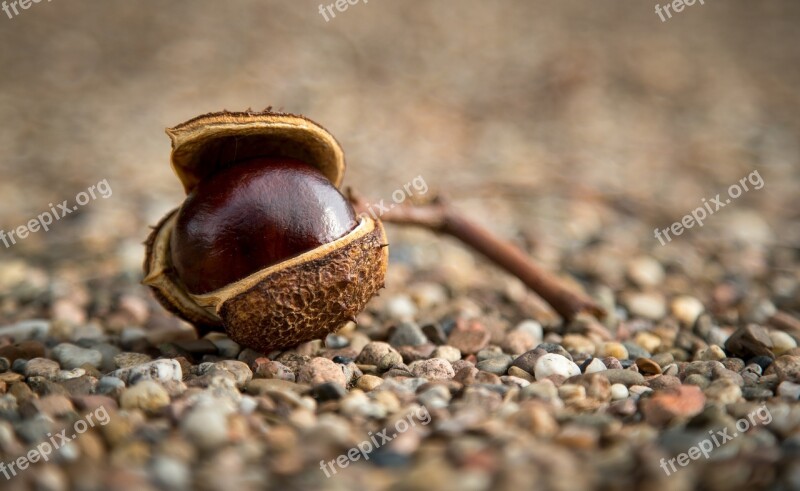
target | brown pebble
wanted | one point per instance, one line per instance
(648, 366)
(680, 402)
(469, 337)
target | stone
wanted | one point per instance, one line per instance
(432, 369)
(789, 390)
(266, 368)
(619, 392)
(147, 395)
(686, 309)
(127, 360)
(447, 352)
(712, 353)
(368, 383)
(786, 367)
(649, 305)
(594, 366)
(26, 330)
(401, 307)
(469, 337)
(723, 391)
(747, 342)
(781, 342)
(553, 364)
(645, 271)
(42, 367)
(682, 402)
(372, 353)
(496, 365)
(663, 382)
(72, 356)
(622, 376)
(407, 334)
(206, 427)
(26, 350)
(617, 350)
(647, 341)
(240, 371)
(321, 370)
(648, 367)
(159, 370)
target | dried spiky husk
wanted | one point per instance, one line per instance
(297, 300)
(205, 144)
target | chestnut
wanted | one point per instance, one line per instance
(264, 246)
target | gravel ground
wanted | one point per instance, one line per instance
(573, 130)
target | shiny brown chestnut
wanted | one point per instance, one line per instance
(264, 246)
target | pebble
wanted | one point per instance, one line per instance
(747, 342)
(407, 334)
(645, 271)
(789, 390)
(786, 367)
(616, 350)
(497, 365)
(433, 369)
(648, 367)
(373, 353)
(679, 403)
(265, 368)
(72, 356)
(127, 360)
(42, 367)
(240, 371)
(25, 350)
(686, 309)
(147, 395)
(553, 364)
(368, 383)
(594, 366)
(447, 352)
(321, 370)
(712, 353)
(781, 342)
(647, 305)
(625, 377)
(401, 307)
(162, 370)
(618, 392)
(648, 341)
(26, 330)
(206, 427)
(469, 337)
(723, 391)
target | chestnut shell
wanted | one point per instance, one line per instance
(298, 299)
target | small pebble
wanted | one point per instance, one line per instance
(553, 364)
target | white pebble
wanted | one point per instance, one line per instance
(553, 364)
(596, 365)
(619, 392)
(781, 342)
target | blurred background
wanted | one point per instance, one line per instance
(558, 123)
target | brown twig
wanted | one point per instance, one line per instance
(441, 218)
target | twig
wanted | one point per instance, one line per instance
(441, 218)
